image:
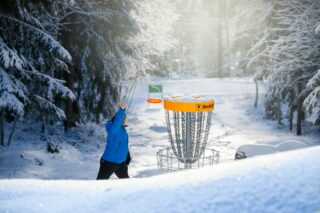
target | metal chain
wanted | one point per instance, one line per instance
(202, 133)
(191, 131)
(176, 121)
(193, 135)
(188, 135)
(183, 128)
(170, 132)
(206, 132)
(198, 136)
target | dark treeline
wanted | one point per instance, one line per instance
(64, 60)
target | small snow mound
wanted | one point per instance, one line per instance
(290, 145)
(250, 150)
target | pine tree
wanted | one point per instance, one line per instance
(96, 34)
(30, 57)
(312, 102)
(286, 52)
(110, 42)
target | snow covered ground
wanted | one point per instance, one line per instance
(284, 182)
(235, 122)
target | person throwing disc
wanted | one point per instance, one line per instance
(116, 156)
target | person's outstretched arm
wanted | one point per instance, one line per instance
(117, 122)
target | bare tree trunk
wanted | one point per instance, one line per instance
(226, 28)
(257, 94)
(43, 124)
(299, 118)
(68, 123)
(299, 110)
(291, 118)
(220, 13)
(1, 129)
(64, 35)
(12, 130)
(279, 113)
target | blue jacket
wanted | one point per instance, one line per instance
(117, 140)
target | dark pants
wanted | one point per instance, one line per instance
(108, 168)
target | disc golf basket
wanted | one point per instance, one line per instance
(188, 124)
(155, 93)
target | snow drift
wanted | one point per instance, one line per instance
(282, 182)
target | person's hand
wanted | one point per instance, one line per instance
(123, 105)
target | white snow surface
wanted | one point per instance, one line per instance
(251, 150)
(290, 145)
(282, 182)
(235, 122)
(286, 182)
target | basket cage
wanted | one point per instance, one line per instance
(166, 159)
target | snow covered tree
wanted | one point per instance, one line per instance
(155, 20)
(284, 50)
(67, 60)
(30, 57)
(295, 53)
(95, 33)
(249, 26)
(312, 102)
(249, 33)
(111, 42)
(203, 33)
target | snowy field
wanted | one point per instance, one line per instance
(235, 122)
(274, 183)
(228, 187)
